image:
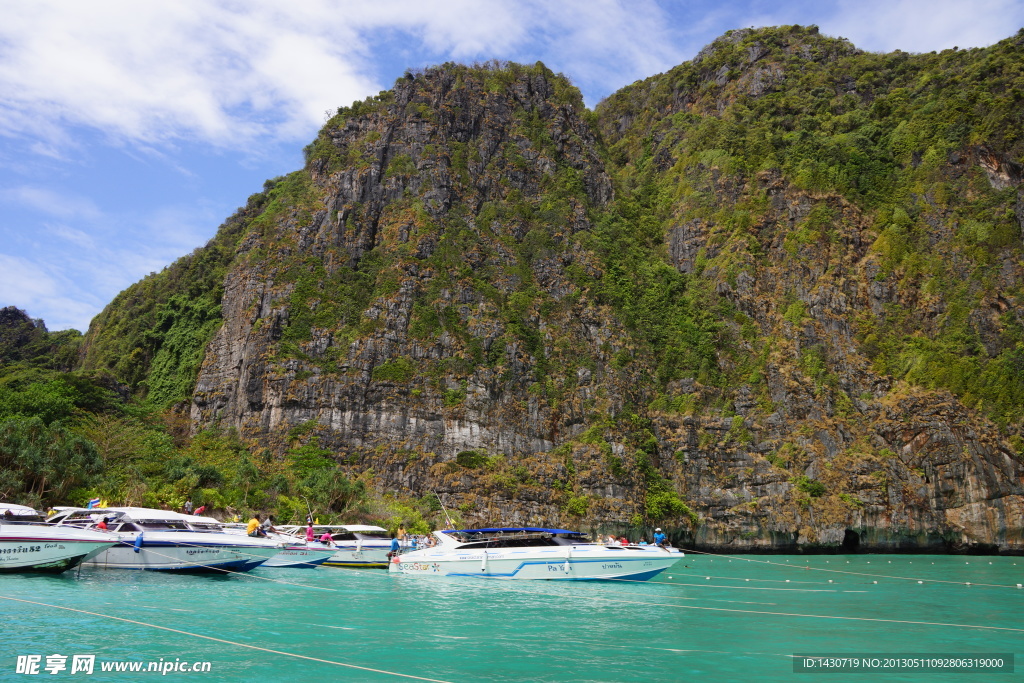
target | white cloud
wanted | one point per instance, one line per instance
(52, 202)
(73, 236)
(157, 71)
(35, 289)
(232, 72)
(926, 25)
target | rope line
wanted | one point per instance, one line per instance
(840, 571)
(811, 616)
(496, 581)
(228, 642)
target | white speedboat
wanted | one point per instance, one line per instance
(356, 545)
(297, 553)
(533, 553)
(28, 544)
(163, 540)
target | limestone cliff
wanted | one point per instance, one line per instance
(755, 299)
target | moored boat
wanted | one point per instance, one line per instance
(356, 545)
(163, 540)
(297, 553)
(28, 544)
(533, 553)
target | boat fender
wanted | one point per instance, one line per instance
(138, 542)
(395, 560)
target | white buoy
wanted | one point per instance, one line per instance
(708, 578)
(746, 579)
(1020, 585)
(968, 583)
(920, 581)
(874, 582)
(787, 581)
(830, 580)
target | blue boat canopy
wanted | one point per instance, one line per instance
(532, 529)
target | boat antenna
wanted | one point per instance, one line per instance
(444, 509)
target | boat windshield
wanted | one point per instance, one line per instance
(163, 525)
(516, 539)
(84, 518)
(21, 518)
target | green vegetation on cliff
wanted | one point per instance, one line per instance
(927, 147)
(721, 295)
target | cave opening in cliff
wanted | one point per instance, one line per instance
(851, 541)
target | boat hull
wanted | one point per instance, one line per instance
(46, 554)
(300, 557)
(351, 556)
(570, 563)
(183, 557)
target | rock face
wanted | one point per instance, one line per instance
(429, 298)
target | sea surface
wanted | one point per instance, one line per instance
(715, 618)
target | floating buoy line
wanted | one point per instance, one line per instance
(919, 579)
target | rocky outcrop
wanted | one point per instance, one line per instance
(422, 298)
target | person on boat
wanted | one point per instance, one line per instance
(623, 541)
(611, 540)
(660, 538)
(310, 536)
(253, 527)
(326, 539)
(102, 524)
(394, 546)
(643, 541)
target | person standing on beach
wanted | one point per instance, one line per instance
(188, 507)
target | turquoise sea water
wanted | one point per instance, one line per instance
(743, 623)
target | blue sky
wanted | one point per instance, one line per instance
(129, 131)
